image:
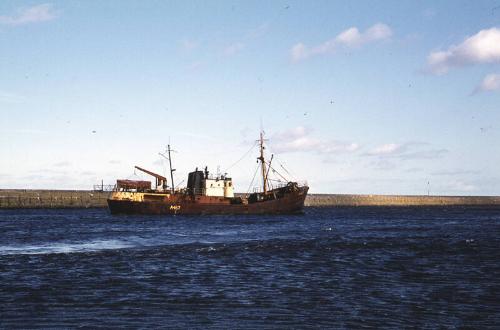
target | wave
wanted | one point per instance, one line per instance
(65, 247)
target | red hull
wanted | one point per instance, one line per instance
(291, 202)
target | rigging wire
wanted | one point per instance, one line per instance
(290, 174)
(283, 167)
(251, 183)
(239, 160)
(274, 171)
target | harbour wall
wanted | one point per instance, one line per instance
(16, 198)
(398, 200)
(53, 199)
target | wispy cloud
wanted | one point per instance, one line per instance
(233, 49)
(387, 149)
(406, 151)
(299, 139)
(424, 154)
(455, 172)
(490, 83)
(34, 14)
(483, 47)
(350, 38)
(383, 165)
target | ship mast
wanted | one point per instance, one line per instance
(169, 158)
(171, 170)
(263, 162)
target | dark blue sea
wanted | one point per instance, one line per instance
(363, 267)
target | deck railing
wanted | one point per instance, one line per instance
(104, 187)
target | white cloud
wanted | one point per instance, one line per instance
(333, 146)
(483, 47)
(490, 83)
(233, 49)
(299, 139)
(406, 151)
(386, 149)
(350, 38)
(377, 32)
(295, 139)
(299, 52)
(34, 14)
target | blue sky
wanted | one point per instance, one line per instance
(389, 97)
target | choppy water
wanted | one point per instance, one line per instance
(330, 268)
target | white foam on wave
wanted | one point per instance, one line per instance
(65, 247)
(207, 249)
(224, 233)
(176, 234)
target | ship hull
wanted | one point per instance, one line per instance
(292, 202)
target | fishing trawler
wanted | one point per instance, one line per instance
(207, 194)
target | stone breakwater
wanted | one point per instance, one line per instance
(397, 200)
(16, 198)
(30, 199)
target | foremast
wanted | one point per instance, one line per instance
(172, 170)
